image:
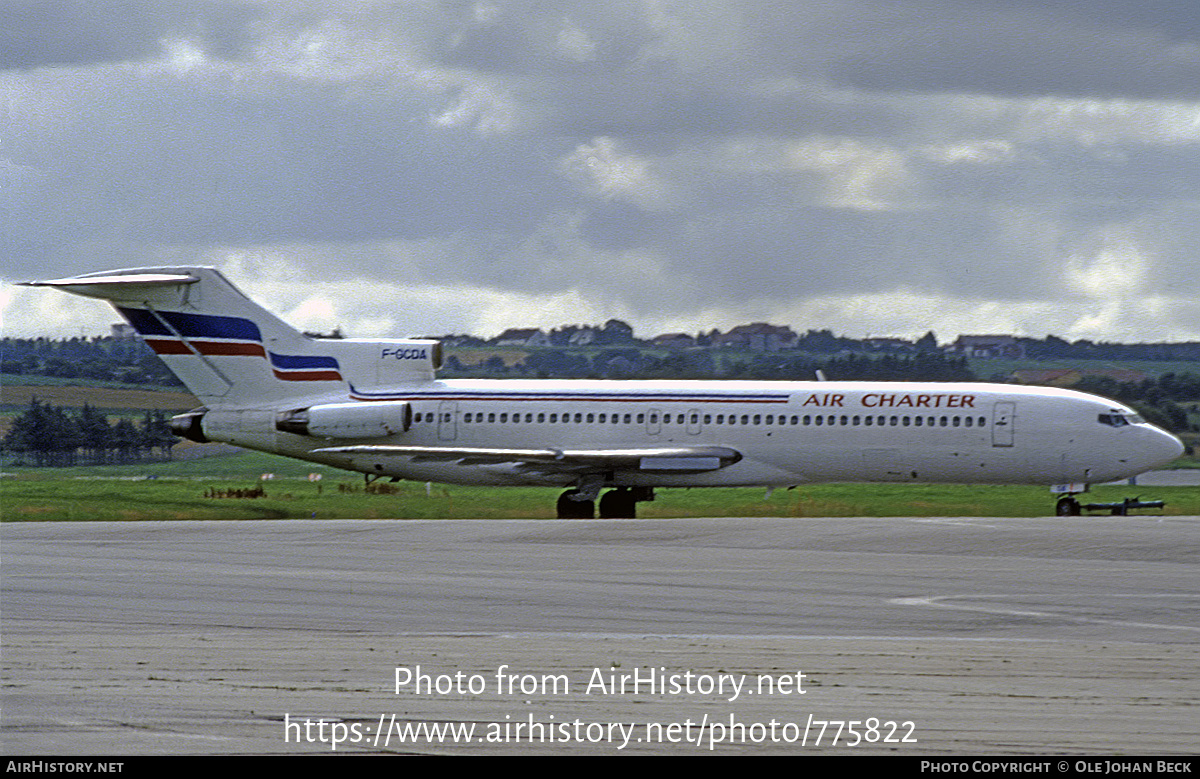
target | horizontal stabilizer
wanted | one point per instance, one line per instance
(114, 287)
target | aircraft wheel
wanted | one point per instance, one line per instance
(574, 509)
(1067, 507)
(618, 504)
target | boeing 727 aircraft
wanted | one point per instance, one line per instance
(376, 406)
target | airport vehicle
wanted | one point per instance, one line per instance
(376, 406)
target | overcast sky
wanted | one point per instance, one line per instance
(876, 167)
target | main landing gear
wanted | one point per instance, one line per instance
(617, 503)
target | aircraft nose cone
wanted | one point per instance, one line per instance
(1163, 449)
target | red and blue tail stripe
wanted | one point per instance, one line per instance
(184, 333)
(304, 368)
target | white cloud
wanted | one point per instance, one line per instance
(603, 169)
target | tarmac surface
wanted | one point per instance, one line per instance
(1063, 636)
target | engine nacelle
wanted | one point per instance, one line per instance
(189, 426)
(347, 420)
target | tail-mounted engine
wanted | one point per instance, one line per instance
(347, 420)
(189, 426)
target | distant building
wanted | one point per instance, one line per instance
(889, 345)
(673, 341)
(583, 336)
(123, 331)
(522, 336)
(990, 347)
(758, 337)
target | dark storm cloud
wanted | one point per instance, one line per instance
(1002, 47)
(842, 251)
(200, 159)
(659, 157)
(1175, 20)
(529, 36)
(41, 33)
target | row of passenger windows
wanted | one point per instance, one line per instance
(694, 418)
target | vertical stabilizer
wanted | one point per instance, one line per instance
(227, 349)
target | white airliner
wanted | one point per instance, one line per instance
(376, 406)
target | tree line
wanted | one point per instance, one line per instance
(46, 435)
(124, 360)
(1160, 400)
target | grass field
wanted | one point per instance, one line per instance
(183, 490)
(115, 400)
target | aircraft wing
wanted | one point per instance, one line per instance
(675, 459)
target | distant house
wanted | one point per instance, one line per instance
(889, 345)
(758, 337)
(673, 341)
(991, 347)
(583, 336)
(454, 341)
(522, 336)
(123, 331)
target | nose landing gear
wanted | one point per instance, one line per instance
(1067, 506)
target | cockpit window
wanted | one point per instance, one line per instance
(1117, 419)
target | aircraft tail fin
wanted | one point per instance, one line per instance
(228, 350)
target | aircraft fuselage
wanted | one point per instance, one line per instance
(786, 432)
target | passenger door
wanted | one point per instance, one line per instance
(1004, 422)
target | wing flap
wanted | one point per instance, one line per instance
(675, 459)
